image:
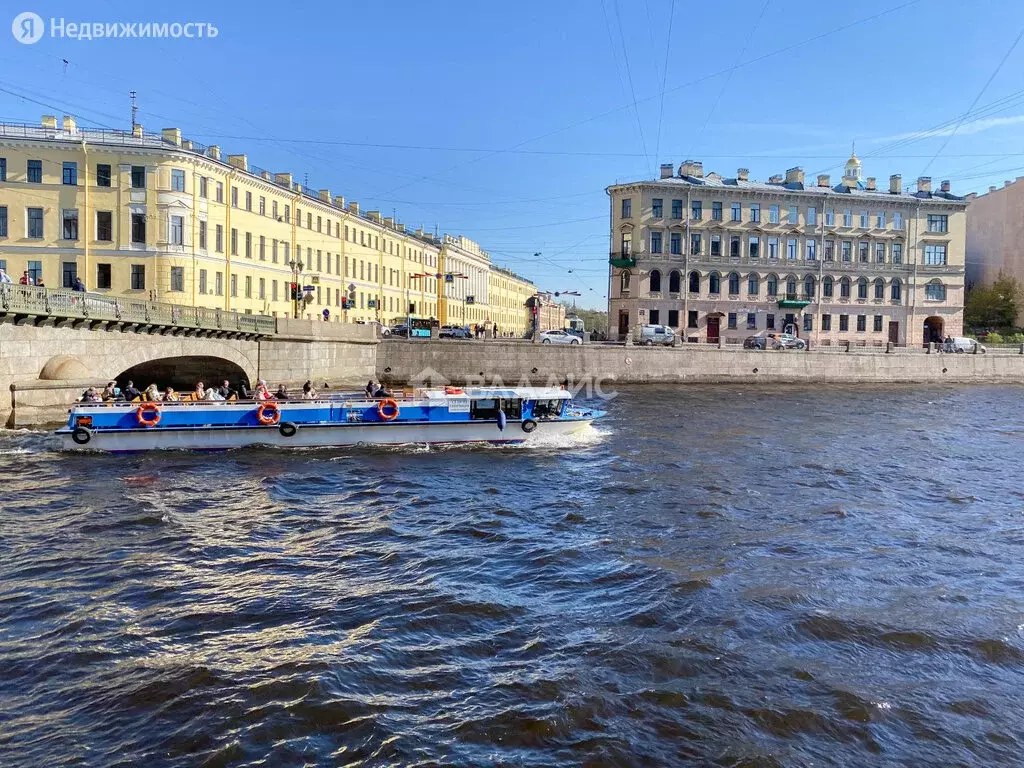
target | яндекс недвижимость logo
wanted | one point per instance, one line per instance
(27, 27)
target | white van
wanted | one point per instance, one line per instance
(961, 345)
(657, 334)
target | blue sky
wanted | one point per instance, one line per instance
(506, 121)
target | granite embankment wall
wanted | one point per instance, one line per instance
(472, 362)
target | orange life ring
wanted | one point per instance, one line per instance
(148, 414)
(388, 403)
(263, 418)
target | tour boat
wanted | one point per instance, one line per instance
(437, 415)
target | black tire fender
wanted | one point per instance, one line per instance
(529, 425)
(288, 429)
(81, 435)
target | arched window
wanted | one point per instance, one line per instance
(714, 283)
(655, 281)
(896, 291)
(826, 287)
(674, 281)
(862, 288)
(844, 288)
(734, 284)
(879, 288)
(935, 291)
(791, 286)
(753, 284)
(695, 282)
(624, 281)
(809, 287)
(773, 285)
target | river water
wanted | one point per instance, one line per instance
(713, 576)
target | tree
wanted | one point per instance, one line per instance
(993, 306)
(593, 319)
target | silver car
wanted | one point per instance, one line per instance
(657, 334)
(559, 337)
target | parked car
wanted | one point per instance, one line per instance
(657, 334)
(400, 330)
(961, 345)
(381, 329)
(454, 332)
(773, 340)
(559, 337)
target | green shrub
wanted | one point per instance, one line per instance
(994, 338)
(1016, 338)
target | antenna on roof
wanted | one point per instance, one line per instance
(135, 109)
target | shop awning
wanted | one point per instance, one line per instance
(792, 304)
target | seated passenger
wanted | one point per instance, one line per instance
(91, 396)
(200, 391)
(130, 392)
(213, 394)
(262, 392)
(225, 391)
(109, 393)
(382, 392)
(308, 393)
(370, 388)
(170, 396)
(282, 393)
(152, 394)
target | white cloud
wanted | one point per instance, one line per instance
(974, 126)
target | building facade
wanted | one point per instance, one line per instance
(724, 258)
(164, 218)
(995, 228)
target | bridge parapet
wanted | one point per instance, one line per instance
(34, 302)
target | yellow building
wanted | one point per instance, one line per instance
(508, 294)
(165, 218)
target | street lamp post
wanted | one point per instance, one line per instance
(296, 266)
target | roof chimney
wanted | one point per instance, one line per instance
(895, 184)
(924, 183)
(283, 180)
(172, 136)
(137, 131)
(823, 180)
(49, 121)
(389, 222)
(324, 194)
(742, 174)
(187, 144)
(666, 170)
(373, 216)
(69, 123)
(991, 189)
(795, 175)
(1007, 183)
(872, 185)
(339, 201)
(239, 161)
(214, 151)
(775, 178)
(944, 186)
(694, 168)
(354, 207)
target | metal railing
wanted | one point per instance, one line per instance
(62, 303)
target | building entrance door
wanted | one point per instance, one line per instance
(894, 332)
(623, 323)
(713, 330)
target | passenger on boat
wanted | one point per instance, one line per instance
(91, 396)
(225, 390)
(170, 396)
(370, 388)
(200, 392)
(382, 391)
(109, 393)
(262, 392)
(212, 394)
(282, 393)
(152, 394)
(308, 393)
(130, 392)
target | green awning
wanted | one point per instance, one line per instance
(792, 304)
(626, 263)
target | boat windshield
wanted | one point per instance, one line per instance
(547, 409)
(487, 408)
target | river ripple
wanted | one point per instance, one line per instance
(715, 576)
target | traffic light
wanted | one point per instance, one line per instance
(294, 291)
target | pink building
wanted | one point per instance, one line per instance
(995, 233)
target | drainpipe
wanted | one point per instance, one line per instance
(685, 319)
(821, 269)
(85, 218)
(296, 276)
(227, 244)
(193, 228)
(913, 293)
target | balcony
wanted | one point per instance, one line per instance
(621, 261)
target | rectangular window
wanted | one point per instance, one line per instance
(808, 322)
(263, 248)
(897, 220)
(309, 223)
(627, 208)
(69, 274)
(3, 176)
(830, 217)
(935, 291)
(287, 214)
(751, 321)
(202, 281)
(203, 187)
(234, 286)
(177, 181)
(830, 250)
(754, 245)
(139, 228)
(103, 276)
(248, 286)
(877, 325)
(716, 211)
(862, 322)
(934, 254)
(716, 245)
(755, 212)
(138, 277)
(769, 321)
(35, 172)
(102, 175)
(218, 282)
(70, 174)
(177, 230)
(248, 200)
(202, 235)
(219, 196)
(656, 205)
(691, 318)
(864, 219)
(847, 218)
(655, 242)
(248, 245)
(695, 243)
(263, 289)
(3, 222)
(791, 249)
(791, 216)
(218, 238)
(880, 220)
(897, 253)
(812, 216)
(138, 177)
(654, 316)
(673, 318)
(104, 226)
(677, 209)
(862, 252)
(177, 278)
(773, 214)
(847, 250)
(234, 197)
(826, 322)
(273, 290)
(675, 243)
(696, 210)
(844, 323)
(234, 241)
(263, 206)
(879, 253)
(936, 222)
(811, 250)
(35, 223)
(35, 272)
(734, 246)
(773, 247)
(736, 211)
(273, 250)
(69, 224)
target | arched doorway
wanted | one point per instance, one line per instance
(933, 330)
(182, 373)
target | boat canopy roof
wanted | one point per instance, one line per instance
(506, 393)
